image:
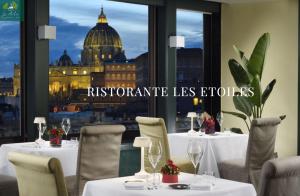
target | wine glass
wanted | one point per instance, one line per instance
(43, 128)
(220, 119)
(200, 121)
(154, 156)
(66, 125)
(195, 153)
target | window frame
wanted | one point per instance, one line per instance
(162, 17)
(21, 136)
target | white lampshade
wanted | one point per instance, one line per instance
(39, 120)
(192, 115)
(141, 142)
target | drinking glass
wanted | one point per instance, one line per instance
(66, 125)
(195, 153)
(42, 129)
(74, 141)
(154, 156)
(220, 119)
(210, 177)
(200, 122)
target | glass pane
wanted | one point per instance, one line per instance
(190, 67)
(97, 45)
(10, 79)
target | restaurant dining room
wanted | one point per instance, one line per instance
(149, 98)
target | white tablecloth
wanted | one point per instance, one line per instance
(216, 148)
(67, 155)
(115, 187)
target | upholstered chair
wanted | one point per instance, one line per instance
(280, 177)
(38, 175)
(8, 186)
(260, 149)
(156, 128)
(99, 153)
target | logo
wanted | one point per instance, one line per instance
(11, 10)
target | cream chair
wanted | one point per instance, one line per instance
(37, 175)
(280, 177)
(260, 149)
(8, 186)
(156, 128)
(99, 153)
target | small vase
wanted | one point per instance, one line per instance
(210, 130)
(170, 178)
(55, 141)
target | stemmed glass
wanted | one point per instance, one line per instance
(43, 128)
(154, 156)
(200, 122)
(66, 125)
(220, 119)
(195, 153)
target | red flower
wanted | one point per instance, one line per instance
(170, 162)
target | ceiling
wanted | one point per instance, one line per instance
(240, 1)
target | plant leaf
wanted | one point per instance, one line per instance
(256, 98)
(238, 73)
(242, 104)
(237, 114)
(256, 62)
(268, 91)
(241, 55)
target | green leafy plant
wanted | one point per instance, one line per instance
(247, 73)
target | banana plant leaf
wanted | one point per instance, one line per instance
(242, 104)
(256, 98)
(268, 91)
(257, 59)
(241, 55)
(238, 73)
(237, 114)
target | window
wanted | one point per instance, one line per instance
(10, 79)
(190, 66)
(116, 58)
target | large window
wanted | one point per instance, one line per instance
(97, 45)
(190, 64)
(10, 73)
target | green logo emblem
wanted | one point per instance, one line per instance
(11, 10)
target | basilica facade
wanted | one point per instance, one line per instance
(103, 63)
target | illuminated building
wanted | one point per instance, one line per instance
(103, 63)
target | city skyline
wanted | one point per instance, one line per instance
(73, 27)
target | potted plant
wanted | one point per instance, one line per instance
(55, 136)
(170, 172)
(247, 73)
(209, 125)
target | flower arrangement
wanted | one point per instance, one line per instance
(55, 135)
(209, 125)
(170, 172)
(170, 168)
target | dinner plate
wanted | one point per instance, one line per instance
(179, 186)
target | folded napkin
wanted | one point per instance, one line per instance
(135, 185)
(203, 186)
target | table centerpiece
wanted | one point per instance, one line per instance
(55, 136)
(170, 172)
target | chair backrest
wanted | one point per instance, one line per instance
(99, 153)
(280, 177)
(38, 175)
(154, 128)
(261, 145)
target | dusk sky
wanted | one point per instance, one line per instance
(74, 18)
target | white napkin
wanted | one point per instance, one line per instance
(135, 185)
(203, 186)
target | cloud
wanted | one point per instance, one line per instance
(69, 36)
(10, 47)
(74, 18)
